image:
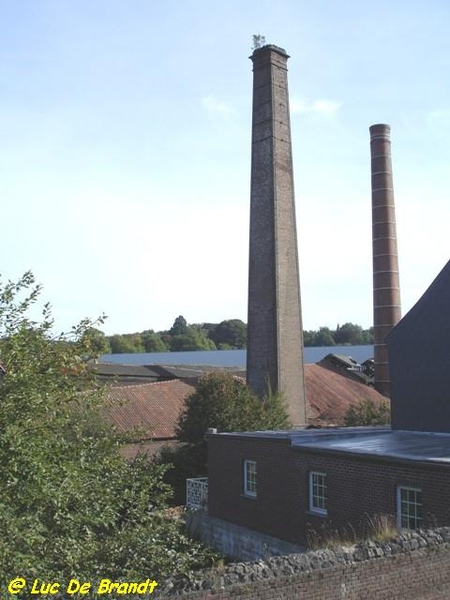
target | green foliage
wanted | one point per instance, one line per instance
(258, 41)
(70, 506)
(347, 334)
(226, 403)
(97, 341)
(153, 342)
(194, 339)
(179, 326)
(322, 337)
(227, 335)
(126, 343)
(231, 333)
(182, 462)
(367, 412)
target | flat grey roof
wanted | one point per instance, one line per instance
(379, 442)
(405, 445)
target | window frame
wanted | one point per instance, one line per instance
(418, 508)
(318, 510)
(250, 483)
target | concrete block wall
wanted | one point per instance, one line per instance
(235, 541)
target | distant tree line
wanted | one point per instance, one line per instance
(230, 334)
(347, 334)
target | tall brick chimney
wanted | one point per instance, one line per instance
(275, 334)
(386, 282)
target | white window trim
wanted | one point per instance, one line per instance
(312, 508)
(248, 492)
(399, 503)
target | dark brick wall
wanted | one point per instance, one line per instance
(275, 333)
(386, 284)
(357, 487)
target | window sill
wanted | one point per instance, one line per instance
(249, 496)
(316, 513)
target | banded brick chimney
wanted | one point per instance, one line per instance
(386, 282)
(275, 334)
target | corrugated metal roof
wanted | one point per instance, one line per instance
(125, 370)
(155, 407)
(152, 407)
(330, 394)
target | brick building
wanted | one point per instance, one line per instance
(291, 484)
(294, 484)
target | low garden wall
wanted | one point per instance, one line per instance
(414, 565)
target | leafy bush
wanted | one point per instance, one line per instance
(367, 412)
(70, 506)
(226, 403)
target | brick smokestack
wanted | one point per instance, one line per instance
(386, 282)
(275, 334)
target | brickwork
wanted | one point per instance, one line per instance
(275, 336)
(414, 565)
(386, 283)
(356, 487)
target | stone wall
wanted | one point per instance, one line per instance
(236, 541)
(414, 565)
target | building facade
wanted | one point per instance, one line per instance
(305, 486)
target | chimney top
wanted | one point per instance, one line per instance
(380, 129)
(269, 47)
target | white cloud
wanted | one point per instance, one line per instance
(217, 107)
(326, 108)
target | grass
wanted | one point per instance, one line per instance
(378, 527)
(382, 527)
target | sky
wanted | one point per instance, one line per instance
(125, 135)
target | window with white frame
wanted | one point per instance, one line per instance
(250, 478)
(318, 492)
(409, 507)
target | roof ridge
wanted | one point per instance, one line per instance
(148, 383)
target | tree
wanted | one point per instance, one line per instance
(153, 342)
(308, 338)
(98, 342)
(70, 506)
(367, 412)
(349, 333)
(324, 337)
(231, 333)
(226, 403)
(193, 339)
(127, 343)
(368, 336)
(179, 326)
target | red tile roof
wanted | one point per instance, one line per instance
(130, 451)
(329, 394)
(155, 407)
